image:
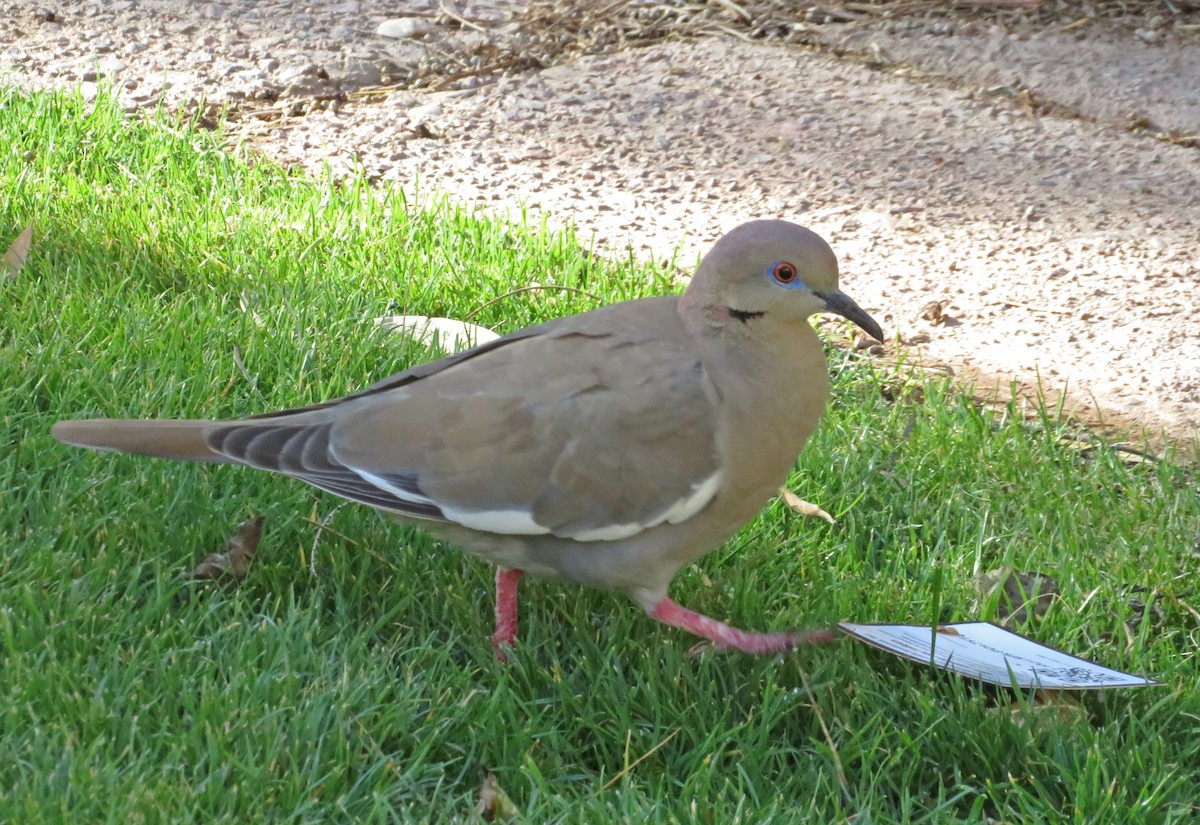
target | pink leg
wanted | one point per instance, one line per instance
(506, 611)
(725, 637)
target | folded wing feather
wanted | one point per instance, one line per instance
(552, 434)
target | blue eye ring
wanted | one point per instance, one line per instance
(784, 273)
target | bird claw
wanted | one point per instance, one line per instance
(720, 636)
(760, 644)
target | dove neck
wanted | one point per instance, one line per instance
(717, 328)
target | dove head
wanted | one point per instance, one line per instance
(771, 269)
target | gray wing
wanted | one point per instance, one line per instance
(593, 428)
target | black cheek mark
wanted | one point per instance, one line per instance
(744, 317)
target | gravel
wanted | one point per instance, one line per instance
(988, 169)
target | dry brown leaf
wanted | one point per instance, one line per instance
(1051, 704)
(1148, 610)
(494, 804)
(18, 251)
(934, 312)
(804, 508)
(1018, 595)
(234, 559)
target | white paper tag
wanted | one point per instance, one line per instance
(992, 654)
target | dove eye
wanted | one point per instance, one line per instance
(783, 272)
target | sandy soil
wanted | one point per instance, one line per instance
(979, 180)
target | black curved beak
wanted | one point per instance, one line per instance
(842, 304)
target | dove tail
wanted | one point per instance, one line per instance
(183, 440)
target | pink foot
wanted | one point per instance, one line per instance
(725, 637)
(506, 611)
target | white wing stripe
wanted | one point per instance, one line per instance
(398, 492)
(506, 522)
(609, 533)
(680, 511)
(694, 502)
(521, 523)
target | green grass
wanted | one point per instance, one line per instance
(368, 692)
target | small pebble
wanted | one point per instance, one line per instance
(402, 28)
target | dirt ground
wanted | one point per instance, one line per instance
(1014, 194)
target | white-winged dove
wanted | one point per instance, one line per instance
(608, 448)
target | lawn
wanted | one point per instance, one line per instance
(350, 678)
